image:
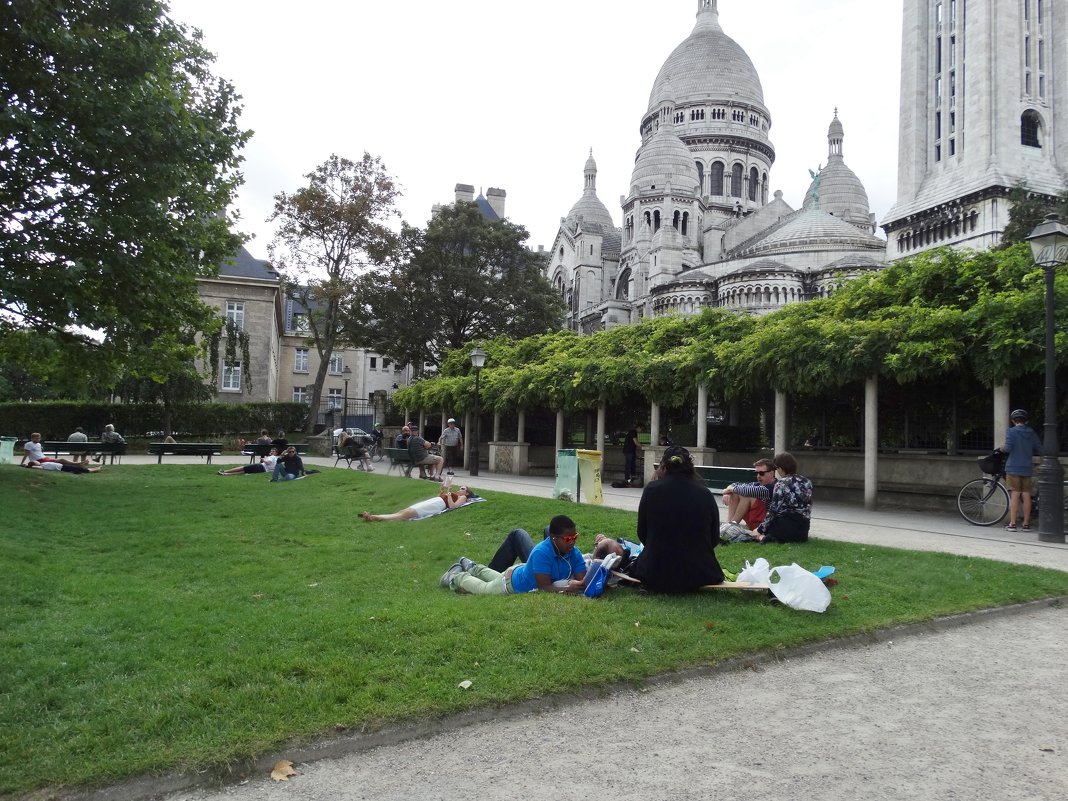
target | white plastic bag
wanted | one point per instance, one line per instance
(757, 573)
(799, 589)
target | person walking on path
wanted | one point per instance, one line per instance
(1021, 446)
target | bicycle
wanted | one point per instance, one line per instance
(375, 451)
(985, 501)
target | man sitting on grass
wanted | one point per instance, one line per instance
(748, 503)
(554, 565)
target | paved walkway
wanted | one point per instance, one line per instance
(966, 709)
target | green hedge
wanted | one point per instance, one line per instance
(57, 419)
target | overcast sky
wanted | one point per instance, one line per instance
(513, 95)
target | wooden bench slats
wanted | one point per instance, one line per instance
(207, 449)
(400, 457)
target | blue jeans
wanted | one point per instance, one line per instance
(517, 545)
(280, 473)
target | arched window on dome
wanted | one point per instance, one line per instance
(676, 220)
(764, 190)
(736, 180)
(754, 181)
(700, 176)
(1031, 129)
(648, 220)
(623, 285)
(716, 180)
(656, 220)
(685, 223)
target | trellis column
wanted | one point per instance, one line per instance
(654, 423)
(496, 426)
(601, 415)
(702, 412)
(559, 430)
(521, 432)
(871, 443)
(1001, 413)
(782, 422)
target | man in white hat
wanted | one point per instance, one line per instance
(452, 440)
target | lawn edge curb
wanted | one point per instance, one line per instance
(147, 788)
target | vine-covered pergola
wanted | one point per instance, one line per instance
(939, 319)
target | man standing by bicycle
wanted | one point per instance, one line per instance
(1021, 446)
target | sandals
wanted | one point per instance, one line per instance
(1010, 527)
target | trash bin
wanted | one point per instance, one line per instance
(578, 471)
(7, 449)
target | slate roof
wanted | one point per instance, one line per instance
(244, 265)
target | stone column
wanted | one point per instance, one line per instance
(871, 443)
(654, 423)
(496, 426)
(559, 431)
(702, 411)
(1001, 414)
(521, 433)
(601, 416)
(782, 425)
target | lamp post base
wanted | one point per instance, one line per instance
(1051, 500)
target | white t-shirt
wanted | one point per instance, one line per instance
(269, 462)
(51, 466)
(34, 451)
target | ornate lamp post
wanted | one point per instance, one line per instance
(478, 360)
(347, 372)
(1049, 246)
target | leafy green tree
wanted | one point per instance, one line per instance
(464, 278)
(330, 233)
(118, 158)
(1028, 210)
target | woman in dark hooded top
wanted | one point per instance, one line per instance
(678, 523)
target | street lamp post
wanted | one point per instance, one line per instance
(478, 359)
(1049, 246)
(347, 372)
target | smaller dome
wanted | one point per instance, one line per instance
(664, 159)
(836, 189)
(589, 207)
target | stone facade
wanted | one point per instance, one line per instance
(981, 111)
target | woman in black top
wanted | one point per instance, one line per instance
(678, 523)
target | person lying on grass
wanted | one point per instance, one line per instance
(431, 506)
(518, 545)
(265, 465)
(553, 565)
(64, 465)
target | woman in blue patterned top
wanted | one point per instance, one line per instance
(790, 507)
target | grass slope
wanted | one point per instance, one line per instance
(162, 617)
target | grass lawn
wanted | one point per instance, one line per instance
(161, 617)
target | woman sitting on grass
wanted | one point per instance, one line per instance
(431, 506)
(790, 508)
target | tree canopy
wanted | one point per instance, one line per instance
(331, 232)
(118, 158)
(463, 278)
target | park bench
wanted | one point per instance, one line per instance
(61, 447)
(717, 478)
(257, 450)
(207, 449)
(399, 457)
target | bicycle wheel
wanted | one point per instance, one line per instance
(983, 502)
(378, 453)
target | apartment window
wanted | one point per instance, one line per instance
(385, 364)
(374, 362)
(337, 363)
(231, 378)
(300, 360)
(235, 314)
(335, 398)
(300, 323)
(300, 394)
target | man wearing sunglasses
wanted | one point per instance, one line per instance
(748, 503)
(554, 565)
